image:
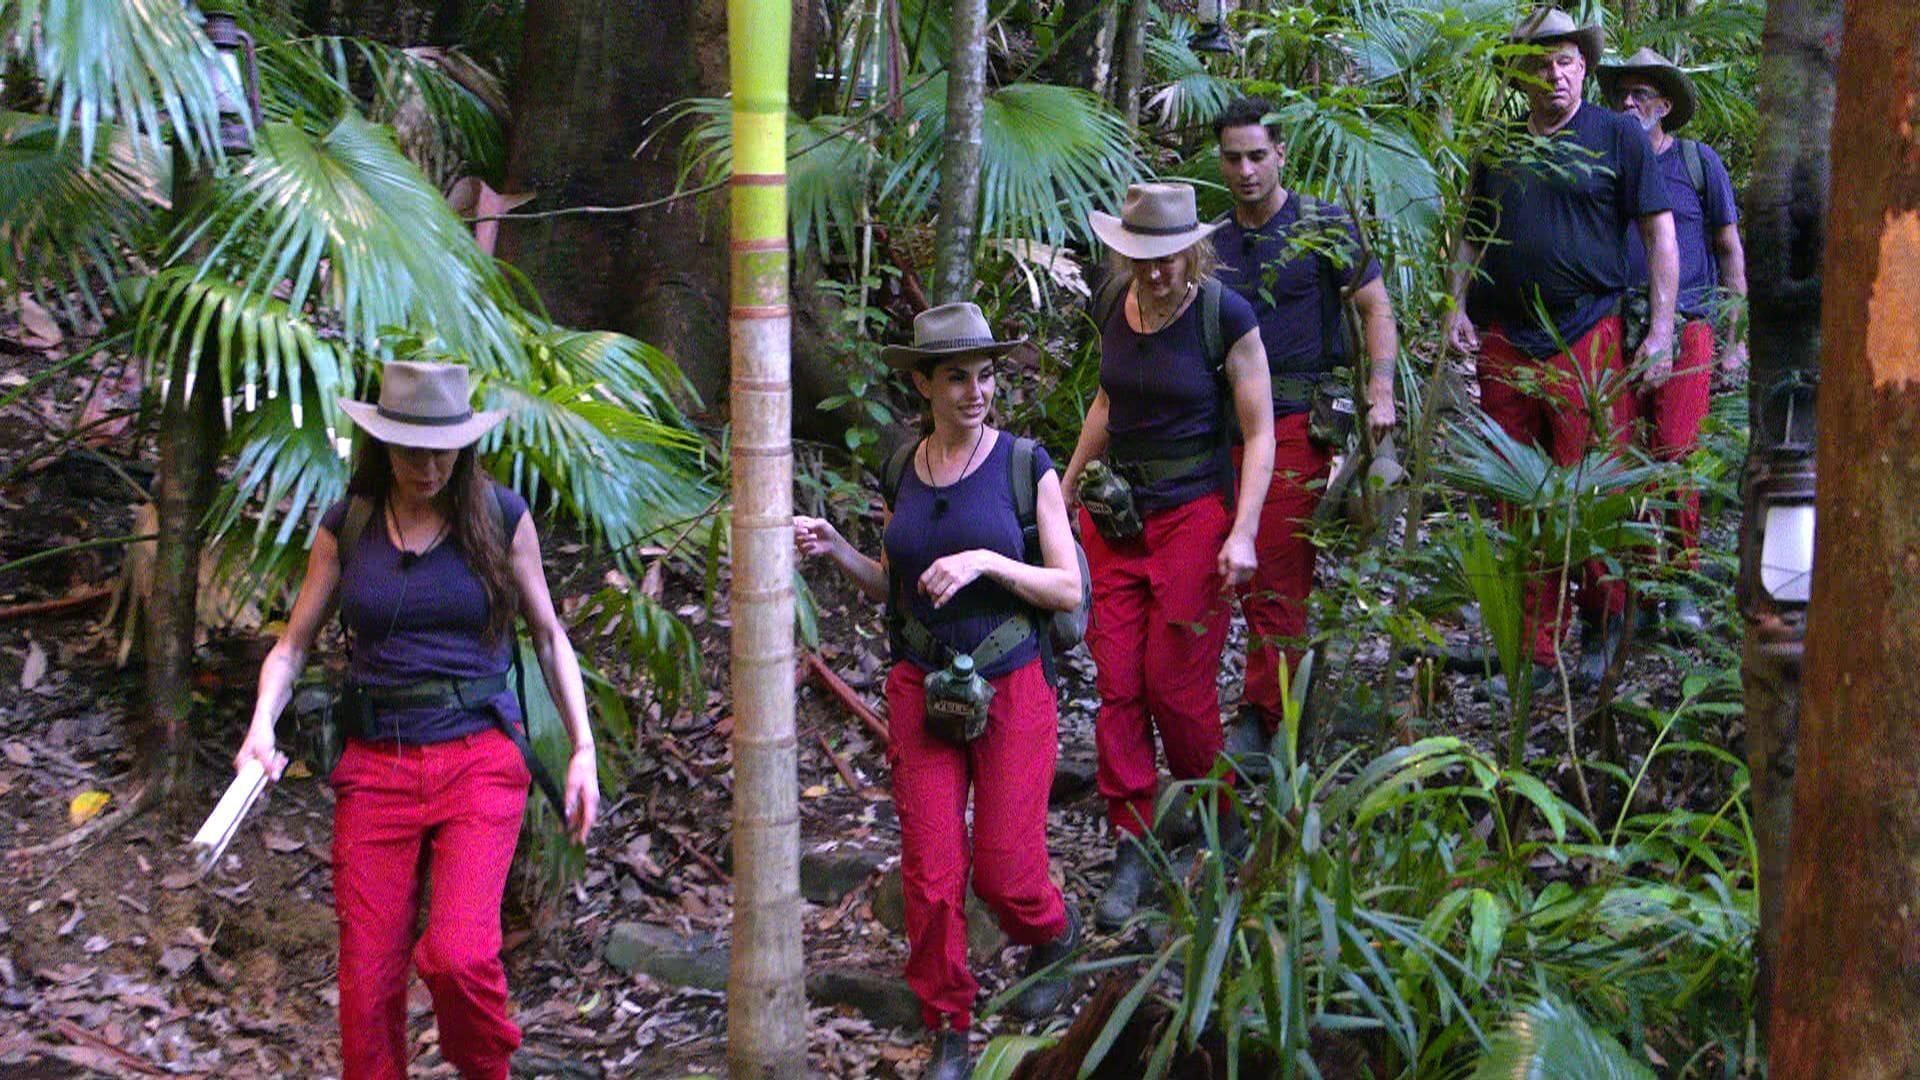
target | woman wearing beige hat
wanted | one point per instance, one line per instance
(1180, 359)
(430, 562)
(969, 706)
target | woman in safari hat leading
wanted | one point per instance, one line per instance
(1180, 357)
(430, 561)
(958, 588)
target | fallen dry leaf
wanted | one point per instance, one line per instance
(36, 666)
(177, 880)
(73, 920)
(282, 843)
(41, 331)
(87, 805)
(18, 754)
(176, 959)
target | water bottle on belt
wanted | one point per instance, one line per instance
(957, 700)
(1109, 501)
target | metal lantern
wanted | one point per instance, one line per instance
(1776, 583)
(236, 81)
(1212, 35)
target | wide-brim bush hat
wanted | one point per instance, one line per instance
(1156, 220)
(948, 330)
(1552, 26)
(424, 406)
(1664, 75)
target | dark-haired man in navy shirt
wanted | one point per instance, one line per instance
(1713, 270)
(1293, 258)
(1549, 236)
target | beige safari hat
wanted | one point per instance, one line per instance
(947, 330)
(1155, 221)
(426, 406)
(1666, 77)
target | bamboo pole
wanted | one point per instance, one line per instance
(766, 1002)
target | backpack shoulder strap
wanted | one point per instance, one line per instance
(1696, 167)
(895, 470)
(1113, 291)
(352, 527)
(1211, 339)
(1026, 494)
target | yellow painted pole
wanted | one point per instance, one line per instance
(766, 997)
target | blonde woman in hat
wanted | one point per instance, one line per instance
(430, 562)
(1160, 599)
(1712, 270)
(955, 580)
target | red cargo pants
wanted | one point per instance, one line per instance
(1670, 418)
(1543, 400)
(1010, 769)
(1275, 601)
(1159, 623)
(464, 797)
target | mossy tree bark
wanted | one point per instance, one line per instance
(766, 998)
(1846, 994)
(958, 230)
(1784, 230)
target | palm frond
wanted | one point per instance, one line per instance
(347, 223)
(1187, 95)
(1048, 155)
(448, 109)
(260, 345)
(830, 166)
(68, 223)
(141, 64)
(1552, 1039)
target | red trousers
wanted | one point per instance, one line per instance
(464, 798)
(1275, 601)
(1159, 622)
(1670, 417)
(1543, 400)
(1010, 769)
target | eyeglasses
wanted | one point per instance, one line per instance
(1637, 95)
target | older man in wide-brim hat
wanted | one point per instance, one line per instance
(1657, 94)
(1540, 244)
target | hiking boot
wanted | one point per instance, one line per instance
(1122, 898)
(1683, 617)
(1599, 644)
(1045, 996)
(951, 1060)
(1248, 737)
(1542, 680)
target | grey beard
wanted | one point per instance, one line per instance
(1647, 123)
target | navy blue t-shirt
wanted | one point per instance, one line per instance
(1281, 269)
(1562, 228)
(1162, 388)
(421, 622)
(979, 514)
(1695, 221)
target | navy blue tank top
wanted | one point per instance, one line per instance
(978, 513)
(423, 621)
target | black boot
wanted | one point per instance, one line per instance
(1122, 898)
(1045, 996)
(1599, 644)
(951, 1060)
(1540, 674)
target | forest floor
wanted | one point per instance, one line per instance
(116, 960)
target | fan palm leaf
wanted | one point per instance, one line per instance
(66, 223)
(142, 64)
(1187, 94)
(450, 108)
(1048, 155)
(1552, 1039)
(345, 222)
(830, 165)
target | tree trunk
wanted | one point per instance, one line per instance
(1133, 63)
(190, 441)
(1080, 55)
(766, 999)
(1784, 233)
(1846, 998)
(959, 226)
(591, 76)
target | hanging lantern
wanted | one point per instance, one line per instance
(1776, 586)
(236, 81)
(1212, 35)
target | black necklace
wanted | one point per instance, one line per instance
(408, 557)
(940, 492)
